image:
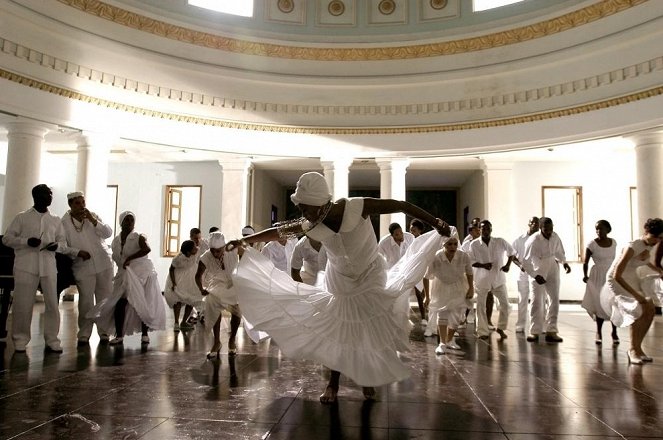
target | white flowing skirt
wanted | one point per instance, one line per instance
(591, 302)
(186, 291)
(139, 283)
(355, 325)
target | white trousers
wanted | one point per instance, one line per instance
(542, 318)
(25, 290)
(502, 297)
(523, 302)
(91, 288)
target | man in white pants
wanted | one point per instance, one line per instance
(491, 258)
(543, 252)
(35, 235)
(523, 277)
(92, 264)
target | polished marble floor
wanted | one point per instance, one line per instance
(494, 389)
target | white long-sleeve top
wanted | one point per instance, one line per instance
(45, 226)
(392, 251)
(496, 252)
(542, 254)
(450, 272)
(305, 256)
(87, 237)
(519, 246)
(280, 254)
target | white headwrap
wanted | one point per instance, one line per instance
(248, 230)
(217, 240)
(73, 195)
(311, 190)
(126, 213)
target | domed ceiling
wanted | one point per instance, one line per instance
(363, 78)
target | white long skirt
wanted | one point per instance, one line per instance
(357, 330)
(139, 283)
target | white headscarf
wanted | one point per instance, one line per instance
(126, 213)
(311, 190)
(248, 230)
(217, 240)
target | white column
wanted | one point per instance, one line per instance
(498, 198)
(92, 170)
(336, 172)
(649, 166)
(234, 196)
(25, 140)
(392, 186)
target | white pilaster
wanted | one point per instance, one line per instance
(499, 198)
(92, 168)
(649, 163)
(392, 186)
(234, 196)
(336, 172)
(25, 140)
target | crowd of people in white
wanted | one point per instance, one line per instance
(322, 286)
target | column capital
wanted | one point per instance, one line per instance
(336, 163)
(241, 164)
(29, 127)
(654, 137)
(96, 139)
(387, 164)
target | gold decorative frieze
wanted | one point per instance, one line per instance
(349, 131)
(571, 20)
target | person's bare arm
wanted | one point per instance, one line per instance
(199, 278)
(619, 275)
(585, 265)
(263, 236)
(144, 250)
(294, 273)
(389, 206)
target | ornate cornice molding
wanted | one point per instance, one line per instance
(534, 117)
(534, 96)
(601, 9)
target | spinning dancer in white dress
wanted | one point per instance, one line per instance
(358, 321)
(623, 295)
(602, 251)
(181, 286)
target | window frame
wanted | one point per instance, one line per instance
(167, 251)
(579, 219)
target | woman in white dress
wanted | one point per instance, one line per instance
(622, 294)
(451, 284)
(136, 303)
(181, 286)
(602, 250)
(216, 286)
(358, 321)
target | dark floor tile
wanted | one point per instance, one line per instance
(549, 420)
(85, 426)
(424, 434)
(441, 417)
(561, 437)
(181, 429)
(344, 413)
(332, 432)
(15, 422)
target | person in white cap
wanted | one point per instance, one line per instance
(136, 303)
(35, 235)
(216, 286)
(92, 266)
(358, 321)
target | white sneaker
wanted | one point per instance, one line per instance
(453, 346)
(470, 318)
(462, 326)
(428, 333)
(520, 330)
(424, 322)
(440, 349)
(145, 340)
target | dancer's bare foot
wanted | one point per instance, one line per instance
(369, 393)
(329, 396)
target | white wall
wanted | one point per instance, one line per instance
(267, 192)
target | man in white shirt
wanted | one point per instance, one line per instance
(523, 277)
(92, 265)
(393, 246)
(543, 253)
(472, 234)
(308, 258)
(35, 235)
(196, 236)
(279, 252)
(491, 258)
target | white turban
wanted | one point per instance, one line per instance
(126, 213)
(311, 190)
(217, 240)
(73, 195)
(248, 230)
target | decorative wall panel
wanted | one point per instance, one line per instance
(387, 12)
(286, 11)
(430, 10)
(336, 12)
